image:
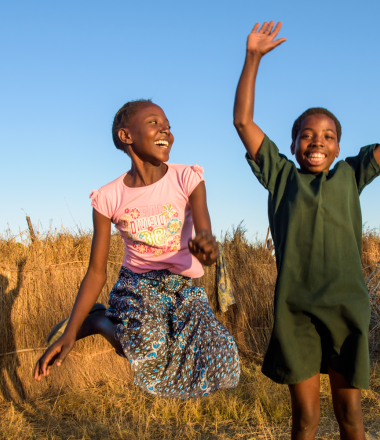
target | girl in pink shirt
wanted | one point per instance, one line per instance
(156, 318)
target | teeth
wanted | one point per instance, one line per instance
(162, 143)
(316, 156)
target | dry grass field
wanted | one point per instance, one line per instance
(92, 395)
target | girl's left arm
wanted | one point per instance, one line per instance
(377, 153)
(204, 246)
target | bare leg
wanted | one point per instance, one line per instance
(98, 324)
(305, 408)
(347, 407)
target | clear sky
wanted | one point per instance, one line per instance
(68, 66)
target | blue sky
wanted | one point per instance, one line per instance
(68, 66)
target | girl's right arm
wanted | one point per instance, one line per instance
(260, 42)
(89, 292)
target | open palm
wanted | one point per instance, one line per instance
(261, 40)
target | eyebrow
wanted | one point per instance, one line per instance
(325, 129)
(154, 114)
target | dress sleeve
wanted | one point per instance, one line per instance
(192, 176)
(365, 166)
(269, 164)
(101, 203)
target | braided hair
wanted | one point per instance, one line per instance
(315, 111)
(123, 118)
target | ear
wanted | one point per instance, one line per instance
(125, 136)
(293, 148)
(337, 150)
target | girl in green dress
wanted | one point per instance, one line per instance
(322, 308)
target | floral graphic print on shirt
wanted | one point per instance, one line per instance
(156, 233)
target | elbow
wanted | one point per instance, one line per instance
(239, 124)
(97, 274)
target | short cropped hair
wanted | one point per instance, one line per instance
(123, 118)
(315, 111)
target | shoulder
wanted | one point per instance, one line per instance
(187, 176)
(268, 152)
(186, 171)
(183, 169)
(105, 199)
(342, 165)
(270, 166)
(341, 170)
(366, 158)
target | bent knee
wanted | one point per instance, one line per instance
(105, 325)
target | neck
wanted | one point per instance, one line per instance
(144, 173)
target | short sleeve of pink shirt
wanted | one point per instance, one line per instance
(154, 221)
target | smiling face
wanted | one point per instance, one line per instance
(149, 135)
(316, 145)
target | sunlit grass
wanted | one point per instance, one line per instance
(92, 395)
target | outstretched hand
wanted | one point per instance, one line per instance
(204, 247)
(57, 352)
(261, 41)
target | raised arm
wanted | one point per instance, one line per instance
(89, 291)
(260, 41)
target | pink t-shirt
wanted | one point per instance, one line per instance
(154, 221)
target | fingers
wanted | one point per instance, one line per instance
(263, 27)
(204, 247)
(276, 30)
(204, 242)
(44, 364)
(278, 42)
(213, 255)
(270, 27)
(57, 352)
(256, 27)
(266, 28)
(37, 371)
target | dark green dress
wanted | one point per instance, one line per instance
(322, 308)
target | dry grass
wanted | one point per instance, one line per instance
(92, 396)
(113, 409)
(253, 275)
(371, 269)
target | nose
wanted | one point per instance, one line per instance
(317, 140)
(165, 128)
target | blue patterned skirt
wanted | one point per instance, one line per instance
(170, 335)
